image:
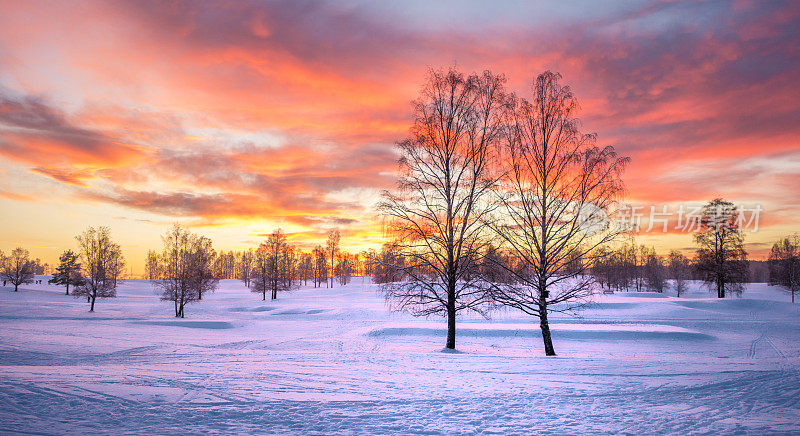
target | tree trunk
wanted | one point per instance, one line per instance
(93, 297)
(15, 287)
(67, 288)
(451, 316)
(545, 326)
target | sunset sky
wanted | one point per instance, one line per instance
(235, 118)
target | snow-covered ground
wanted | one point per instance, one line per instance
(336, 360)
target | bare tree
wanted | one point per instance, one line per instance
(495, 265)
(437, 213)
(345, 268)
(205, 279)
(306, 267)
(261, 266)
(276, 243)
(388, 264)
(721, 258)
(320, 266)
(103, 263)
(784, 264)
(225, 265)
(369, 258)
(332, 250)
(68, 271)
(17, 268)
(245, 268)
(151, 265)
(276, 265)
(653, 270)
(679, 269)
(558, 191)
(185, 268)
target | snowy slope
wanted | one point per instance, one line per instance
(336, 360)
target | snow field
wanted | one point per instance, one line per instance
(337, 360)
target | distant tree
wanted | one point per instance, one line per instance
(557, 193)
(289, 267)
(679, 270)
(18, 268)
(758, 271)
(601, 271)
(68, 271)
(616, 268)
(494, 266)
(625, 264)
(368, 258)
(320, 266)
(784, 264)
(345, 268)
(38, 268)
(388, 264)
(245, 269)
(306, 267)
(654, 273)
(205, 280)
(332, 250)
(151, 265)
(224, 265)
(276, 242)
(640, 256)
(437, 213)
(260, 282)
(276, 266)
(185, 268)
(721, 258)
(102, 264)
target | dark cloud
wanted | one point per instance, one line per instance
(32, 131)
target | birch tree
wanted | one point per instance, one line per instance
(437, 210)
(186, 268)
(557, 193)
(102, 262)
(17, 268)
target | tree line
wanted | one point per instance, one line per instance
(187, 266)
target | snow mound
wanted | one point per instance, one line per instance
(739, 304)
(252, 309)
(641, 294)
(561, 331)
(213, 325)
